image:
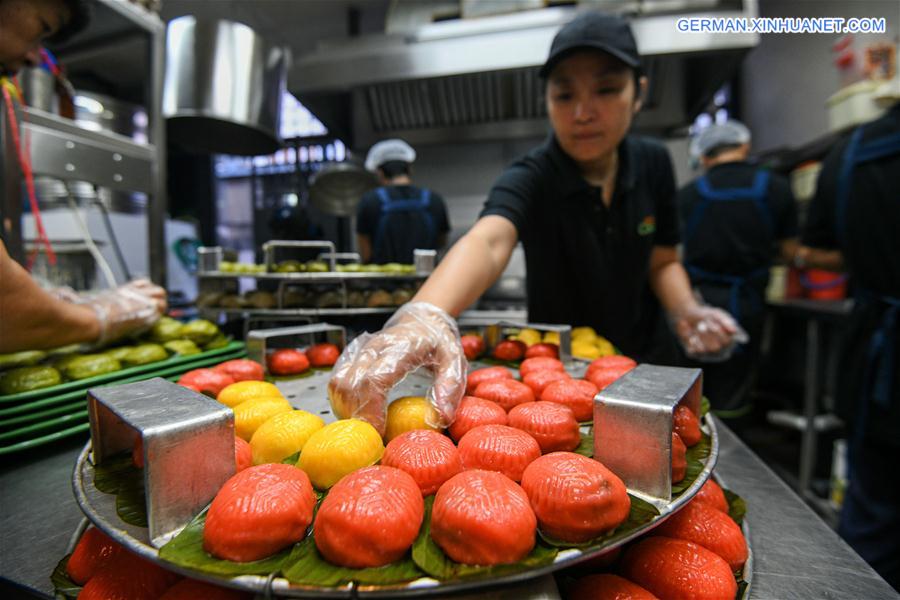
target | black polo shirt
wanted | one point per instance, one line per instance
(735, 237)
(586, 264)
(872, 221)
(405, 231)
(870, 242)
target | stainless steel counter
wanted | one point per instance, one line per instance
(795, 554)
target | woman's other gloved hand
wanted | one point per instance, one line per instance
(707, 333)
(418, 335)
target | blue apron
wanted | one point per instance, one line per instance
(757, 193)
(389, 207)
(878, 372)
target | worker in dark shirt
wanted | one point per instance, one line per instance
(854, 223)
(594, 208)
(737, 219)
(396, 218)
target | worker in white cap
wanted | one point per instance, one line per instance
(736, 218)
(397, 217)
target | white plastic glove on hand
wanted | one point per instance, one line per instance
(129, 308)
(708, 334)
(418, 335)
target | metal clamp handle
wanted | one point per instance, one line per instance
(633, 424)
(209, 258)
(348, 256)
(259, 340)
(493, 333)
(270, 247)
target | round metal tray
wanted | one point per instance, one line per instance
(100, 508)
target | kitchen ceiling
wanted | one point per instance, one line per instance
(434, 80)
(417, 84)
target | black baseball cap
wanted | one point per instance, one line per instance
(597, 31)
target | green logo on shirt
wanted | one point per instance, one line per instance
(647, 226)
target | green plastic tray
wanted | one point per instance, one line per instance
(32, 417)
(34, 424)
(39, 427)
(79, 394)
(19, 416)
(83, 384)
(44, 427)
(45, 439)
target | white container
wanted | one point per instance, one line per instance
(854, 104)
(803, 180)
(839, 473)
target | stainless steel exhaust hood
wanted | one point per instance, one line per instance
(471, 79)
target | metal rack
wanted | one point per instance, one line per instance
(61, 149)
(211, 278)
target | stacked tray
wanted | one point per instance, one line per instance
(30, 419)
(345, 289)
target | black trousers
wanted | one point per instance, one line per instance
(870, 518)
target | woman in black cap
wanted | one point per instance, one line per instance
(594, 208)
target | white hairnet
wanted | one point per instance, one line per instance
(730, 133)
(388, 150)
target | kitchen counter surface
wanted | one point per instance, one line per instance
(795, 554)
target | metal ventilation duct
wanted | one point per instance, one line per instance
(223, 87)
(477, 79)
(459, 100)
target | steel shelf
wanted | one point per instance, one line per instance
(61, 149)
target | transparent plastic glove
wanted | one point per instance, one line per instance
(66, 294)
(418, 335)
(129, 308)
(708, 334)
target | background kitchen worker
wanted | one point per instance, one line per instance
(595, 211)
(853, 223)
(736, 218)
(30, 317)
(398, 217)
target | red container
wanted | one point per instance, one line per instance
(794, 287)
(824, 285)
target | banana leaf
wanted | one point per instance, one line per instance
(737, 508)
(695, 454)
(62, 584)
(306, 566)
(118, 475)
(586, 447)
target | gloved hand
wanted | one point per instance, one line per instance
(418, 335)
(129, 308)
(707, 333)
(65, 293)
